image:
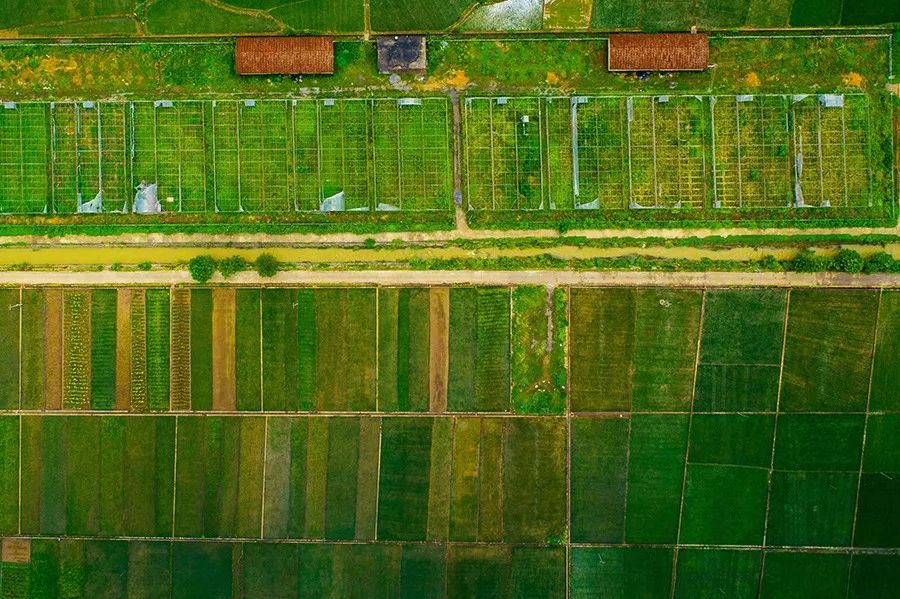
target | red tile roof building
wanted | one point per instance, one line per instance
(284, 55)
(658, 52)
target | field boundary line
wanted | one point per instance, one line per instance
(567, 347)
(262, 511)
(175, 477)
(394, 278)
(784, 333)
(687, 449)
(862, 452)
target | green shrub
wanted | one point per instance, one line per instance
(145, 266)
(369, 243)
(202, 268)
(267, 265)
(880, 262)
(806, 260)
(849, 261)
(232, 265)
(770, 263)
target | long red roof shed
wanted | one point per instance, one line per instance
(284, 55)
(658, 52)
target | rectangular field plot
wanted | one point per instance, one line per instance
(24, 159)
(504, 153)
(751, 138)
(668, 152)
(259, 156)
(667, 138)
(831, 153)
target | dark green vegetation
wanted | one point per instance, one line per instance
(750, 187)
(715, 440)
(193, 17)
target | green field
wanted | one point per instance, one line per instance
(590, 154)
(491, 434)
(186, 17)
(227, 156)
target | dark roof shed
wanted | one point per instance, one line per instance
(402, 54)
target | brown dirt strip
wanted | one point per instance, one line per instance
(438, 340)
(53, 323)
(180, 388)
(223, 349)
(16, 551)
(123, 349)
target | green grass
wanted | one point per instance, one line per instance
(886, 378)
(875, 576)
(711, 572)
(815, 13)
(345, 341)
(877, 524)
(403, 350)
(534, 471)
(76, 349)
(633, 349)
(169, 17)
(655, 474)
(158, 349)
(828, 351)
(479, 364)
(539, 336)
(618, 573)
(9, 475)
(279, 349)
(248, 350)
(599, 478)
(33, 349)
(406, 15)
(9, 350)
(403, 492)
(804, 574)
(341, 485)
(103, 349)
(201, 349)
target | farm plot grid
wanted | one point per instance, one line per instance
(256, 156)
(645, 152)
(671, 402)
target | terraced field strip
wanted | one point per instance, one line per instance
(260, 156)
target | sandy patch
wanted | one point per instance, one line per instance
(853, 79)
(16, 551)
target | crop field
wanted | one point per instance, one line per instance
(227, 156)
(468, 441)
(185, 17)
(607, 153)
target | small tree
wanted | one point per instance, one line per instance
(880, 262)
(807, 261)
(267, 265)
(849, 261)
(232, 265)
(202, 268)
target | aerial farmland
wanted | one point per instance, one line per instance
(383, 298)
